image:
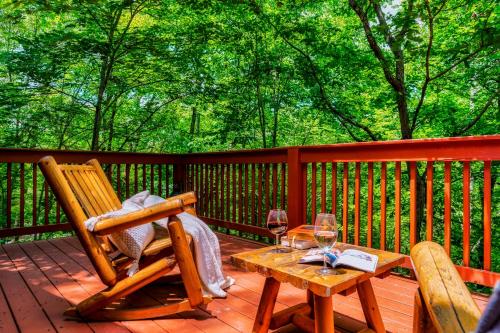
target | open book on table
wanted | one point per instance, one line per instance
(350, 258)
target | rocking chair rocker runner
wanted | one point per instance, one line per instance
(84, 191)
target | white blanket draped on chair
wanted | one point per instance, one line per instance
(207, 250)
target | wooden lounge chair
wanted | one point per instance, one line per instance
(442, 302)
(84, 191)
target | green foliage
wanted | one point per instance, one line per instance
(215, 75)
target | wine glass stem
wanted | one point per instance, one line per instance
(324, 260)
(277, 240)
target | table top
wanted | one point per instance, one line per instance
(285, 267)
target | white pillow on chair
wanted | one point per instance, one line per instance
(132, 241)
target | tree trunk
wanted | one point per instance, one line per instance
(192, 129)
(98, 108)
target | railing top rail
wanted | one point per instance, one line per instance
(19, 155)
(470, 148)
(483, 148)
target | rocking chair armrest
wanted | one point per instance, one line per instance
(187, 198)
(113, 224)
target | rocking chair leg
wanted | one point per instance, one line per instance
(135, 314)
(185, 261)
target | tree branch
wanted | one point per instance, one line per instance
(477, 117)
(322, 91)
(469, 56)
(374, 45)
(427, 65)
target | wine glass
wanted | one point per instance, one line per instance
(277, 223)
(325, 234)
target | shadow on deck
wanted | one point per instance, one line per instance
(39, 280)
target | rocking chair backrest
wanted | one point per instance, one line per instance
(84, 191)
(91, 187)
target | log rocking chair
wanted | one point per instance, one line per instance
(84, 191)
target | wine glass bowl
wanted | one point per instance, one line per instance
(277, 223)
(325, 234)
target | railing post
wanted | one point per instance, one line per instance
(178, 177)
(295, 189)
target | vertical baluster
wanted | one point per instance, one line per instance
(152, 178)
(167, 180)
(34, 200)
(428, 204)
(466, 210)
(275, 185)
(313, 191)
(46, 202)
(345, 203)
(259, 196)
(9, 196)
(357, 188)
(119, 181)
(304, 194)
(369, 212)
(185, 180)
(246, 203)
(233, 192)
(215, 199)
(160, 187)
(447, 207)
(127, 180)
(267, 190)
(136, 179)
(221, 204)
(252, 181)
(200, 189)
(211, 193)
(109, 171)
(144, 177)
(413, 204)
(487, 216)
(216, 192)
(397, 209)
(222, 208)
(195, 179)
(58, 212)
(334, 188)
(323, 187)
(209, 190)
(383, 213)
(282, 183)
(206, 191)
(240, 193)
(228, 200)
(21, 195)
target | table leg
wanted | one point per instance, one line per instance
(266, 306)
(370, 306)
(310, 301)
(323, 314)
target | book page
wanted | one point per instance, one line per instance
(358, 259)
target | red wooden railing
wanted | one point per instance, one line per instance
(371, 187)
(21, 184)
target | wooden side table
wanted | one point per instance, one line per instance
(316, 314)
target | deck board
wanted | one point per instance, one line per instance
(39, 280)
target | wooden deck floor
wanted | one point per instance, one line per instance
(39, 280)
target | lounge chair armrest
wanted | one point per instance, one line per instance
(449, 302)
(113, 224)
